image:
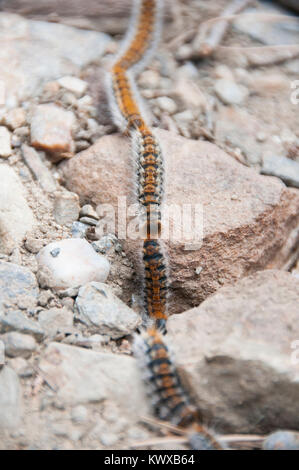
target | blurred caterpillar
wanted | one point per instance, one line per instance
(128, 115)
(171, 401)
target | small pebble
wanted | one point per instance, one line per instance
(66, 207)
(166, 104)
(73, 84)
(89, 221)
(15, 118)
(88, 211)
(79, 414)
(18, 344)
(230, 92)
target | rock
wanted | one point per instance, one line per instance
(55, 319)
(103, 312)
(248, 218)
(33, 245)
(18, 287)
(230, 92)
(88, 221)
(149, 79)
(236, 353)
(16, 217)
(66, 207)
(39, 169)
(284, 168)
(82, 376)
(282, 440)
(5, 142)
(79, 230)
(73, 84)
(88, 211)
(17, 344)
(186, 90)
(268, 32)
(70, 263)
(240, 129)
(16, 321)
(21, 367)
(79, 414)
(224, 72)
(10, 399)
(26, 42)
(2, 354)
(166, 104)
(15, 118)
(109, 16)
(51, 129)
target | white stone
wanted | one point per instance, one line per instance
(70, 263)
(18, 344)
(230, 92)
(16, 217)
(5, 142)
(166, 104)
(73, 84)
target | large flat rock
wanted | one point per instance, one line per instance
(83, 376)
(239, 353)
(250, 221)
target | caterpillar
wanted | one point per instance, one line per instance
(171, 402)
(169, 399)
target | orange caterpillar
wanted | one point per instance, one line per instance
(128, 115)
(170, 400)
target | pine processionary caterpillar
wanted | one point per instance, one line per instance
(171, 401)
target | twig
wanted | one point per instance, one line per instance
(159, 441)
(163, 424)
(205, 43)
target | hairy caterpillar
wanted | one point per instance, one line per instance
(128, 115)
(169, 399)
(171, 402)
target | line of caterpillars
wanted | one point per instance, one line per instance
(171, 401)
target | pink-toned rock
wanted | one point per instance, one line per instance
(51, 129)
(239, 353)
(249, 221)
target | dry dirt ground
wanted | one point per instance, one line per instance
(242, 100)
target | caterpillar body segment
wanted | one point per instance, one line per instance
(169, 399)
(155, 291)
(143, 35)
